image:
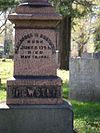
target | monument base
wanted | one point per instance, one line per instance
(36, 118)
(34, 90)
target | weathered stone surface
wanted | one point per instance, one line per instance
(43, 17)
(34, 94)
(34, 91)
(36, 118)
(36, 42)
(36, 2)
(35, 52)
(85, 78)
(40, 11)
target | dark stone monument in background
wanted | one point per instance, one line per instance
(34, 101)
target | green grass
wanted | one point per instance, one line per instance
(2, 95)
(6, 71)
(64, 75)
(87, 117)
(86, 114)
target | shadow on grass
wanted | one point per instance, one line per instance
(86, 109)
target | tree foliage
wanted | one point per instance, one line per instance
(97, 38)
(73, 8)
(69, 9)
(81, 35)
(6, 4)
(96, 27)
(6, 7)
(86, 32)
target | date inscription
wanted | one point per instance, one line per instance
(34, 46)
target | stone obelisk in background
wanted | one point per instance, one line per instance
(34, 94)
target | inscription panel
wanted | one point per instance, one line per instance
(34, 91)
(35, 52)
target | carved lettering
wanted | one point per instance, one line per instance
(30, 92)
(36, 92)
(25, 37)
(38, 39)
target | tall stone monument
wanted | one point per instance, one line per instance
(34, 99)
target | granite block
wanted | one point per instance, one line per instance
(36, 118)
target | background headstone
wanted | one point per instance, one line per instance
(85, 78)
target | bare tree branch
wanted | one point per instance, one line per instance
(5, 21)
(3, 24)
(2, 30)
(1, 13)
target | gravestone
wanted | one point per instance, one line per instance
(34, 100)
(85, 78)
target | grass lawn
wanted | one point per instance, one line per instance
(6, 71)
(86, 117)
(86, 114)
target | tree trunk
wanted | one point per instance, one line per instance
(65, 42)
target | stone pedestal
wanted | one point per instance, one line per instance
(34, 99)
(34, 90)
(36, 118)
(35, 67)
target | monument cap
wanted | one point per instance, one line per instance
(35, 3)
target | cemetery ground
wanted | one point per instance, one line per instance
(86, 114)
